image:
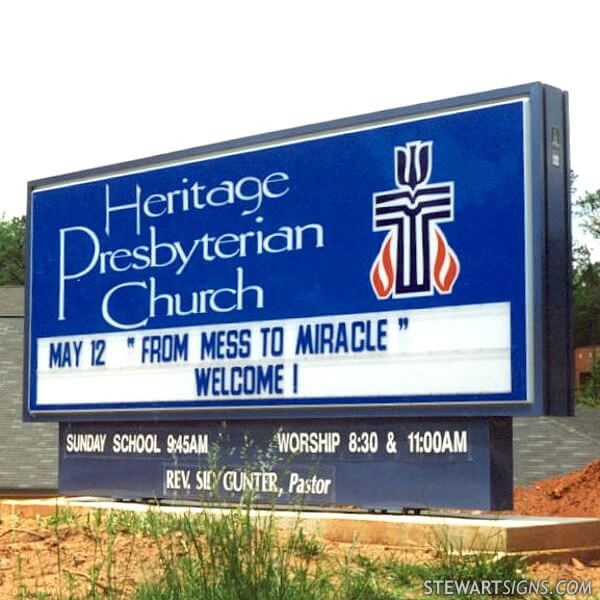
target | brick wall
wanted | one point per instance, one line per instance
(584, 361)
(28, 451)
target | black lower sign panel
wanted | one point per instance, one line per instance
(375, 463)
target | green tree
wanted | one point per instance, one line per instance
(586, 271)
(587, 208)
(586, 298)
(12, 250)
(592, 390)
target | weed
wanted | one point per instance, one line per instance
(62, 516)
(404, 574)
(360, 579)
(232, 555)
(304, 546)
(239, 555)
(479, 558)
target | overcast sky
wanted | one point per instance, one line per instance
(91, 83)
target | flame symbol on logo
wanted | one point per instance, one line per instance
(382, 271)
(446, 266)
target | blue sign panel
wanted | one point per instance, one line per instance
(391, 263)
(379, 463)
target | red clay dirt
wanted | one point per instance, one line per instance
(576, 494)
(41, 558)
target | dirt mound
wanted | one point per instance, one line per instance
(576, 494)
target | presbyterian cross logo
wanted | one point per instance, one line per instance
(411, 215)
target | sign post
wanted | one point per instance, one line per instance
(395, 280)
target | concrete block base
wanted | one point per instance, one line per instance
(538, 538)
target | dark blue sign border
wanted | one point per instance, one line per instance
(550, 271)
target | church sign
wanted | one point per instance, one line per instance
(385, 289)
(395, 260)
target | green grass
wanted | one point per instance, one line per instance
(305, 546)
(236, 555)
(61, 516)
